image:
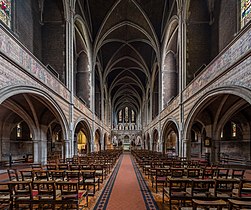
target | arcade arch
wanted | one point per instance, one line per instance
(220, 125)
(170, 138)
(31, 124)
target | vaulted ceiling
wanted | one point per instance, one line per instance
(126, 36)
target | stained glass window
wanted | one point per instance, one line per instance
(245, 12)
(120, 116)
(19, 130)
(233, 129)
(126, 115)
(133, 116)
(5, 12)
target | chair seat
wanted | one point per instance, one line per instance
(240, 202)
(87, 181)
(218, 202)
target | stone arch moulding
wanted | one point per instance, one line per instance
(53, 105)
(234, 90)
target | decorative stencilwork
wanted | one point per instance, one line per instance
(10, 48)
(241, 47)
(146, 193)
(105, 195)
(5, 12)
(245, 12)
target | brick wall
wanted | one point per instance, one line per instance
(198, 37)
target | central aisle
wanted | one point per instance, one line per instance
(126, 192)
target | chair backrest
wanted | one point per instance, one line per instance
(178, 187)
(193, 173)
(69, 193)
(88, 174)
(73, 175)
(245, 189)
(63, 166)
(51, 166)
(40, 175)
(21, 190)
(224, 187)
(200, 187)
(36, 166)
(177, 172)
(4, 192)
(46, 190)
(74, 166)
(27, 175)
(238, 173)
(13, 175)
(208, 173)
(57, 175)
(222, 173)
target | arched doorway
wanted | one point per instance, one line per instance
(82, 138)
(97, 142)
(126, 143)
(170, 139)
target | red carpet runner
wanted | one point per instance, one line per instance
(126, 189)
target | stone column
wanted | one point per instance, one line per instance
(36, 157)
(66, 148)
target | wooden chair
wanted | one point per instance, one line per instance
(223, 188)
(89, 179)
(70, 195)
(160, 177)
(177, 190)
(244, 190)
(73, 176)
(5, 198)
(210, 203)
(46, 194)
(21, 194)
(100, 171)
(57, 175)
(201, 188)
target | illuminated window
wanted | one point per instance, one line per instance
(245, 12)
(19, 130)
(126, 115)
(233, 129)
(133, 116)
(120, 116)
(5, 12)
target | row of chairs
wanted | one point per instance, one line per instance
(42, 195)
(160, 175)
(85, 178)
(219, 191)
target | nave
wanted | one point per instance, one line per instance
(117, 179)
